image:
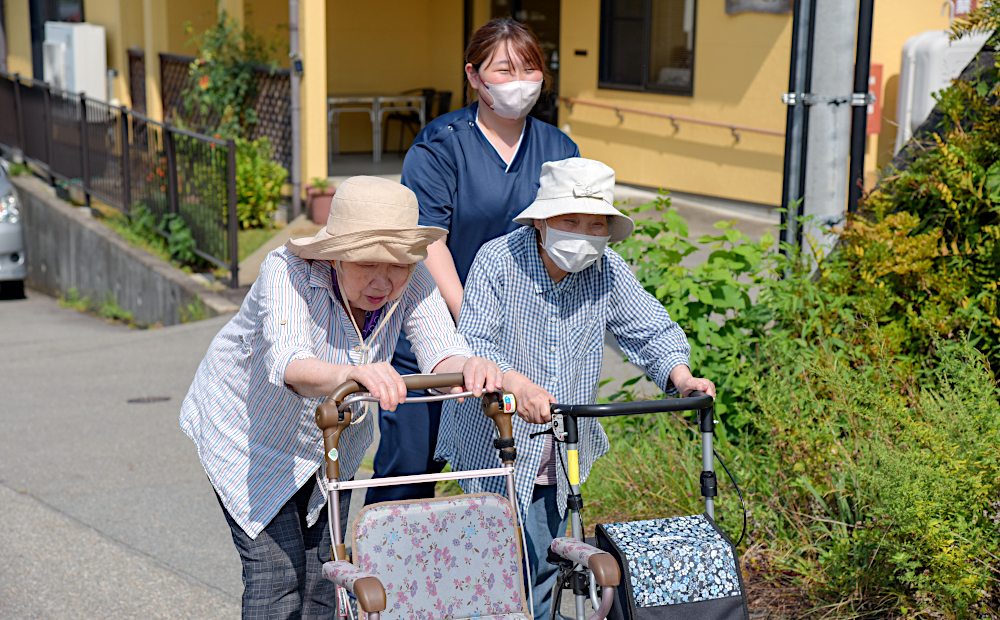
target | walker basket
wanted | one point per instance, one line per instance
(680, 568)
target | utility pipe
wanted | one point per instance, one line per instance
(797, 119)
(859, 119)
(296, 108)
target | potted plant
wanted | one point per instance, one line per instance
(319, 195)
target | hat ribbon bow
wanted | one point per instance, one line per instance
(586, 191)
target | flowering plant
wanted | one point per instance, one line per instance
(222, 89)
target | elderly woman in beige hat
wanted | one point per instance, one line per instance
(322, 311)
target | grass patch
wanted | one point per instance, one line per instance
(17, 170)
(250, 239)
(152, 242)
(447, 488)
(194, 311)
(107, 309)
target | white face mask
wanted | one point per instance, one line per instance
(573, 252)
(513, 100)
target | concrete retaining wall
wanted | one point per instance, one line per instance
(67, 248)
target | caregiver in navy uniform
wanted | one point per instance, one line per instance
(473, 170)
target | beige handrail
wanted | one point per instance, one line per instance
(673, 118)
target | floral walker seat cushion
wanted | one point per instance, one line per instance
(455, 557)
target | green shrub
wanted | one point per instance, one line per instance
(712, 302)
(258, 182)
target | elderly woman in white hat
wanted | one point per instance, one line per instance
(323, 310)
(538, 302)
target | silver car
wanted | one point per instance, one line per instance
(13, 267)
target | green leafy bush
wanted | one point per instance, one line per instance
(859, 419)
(712, 301)
(258, 182)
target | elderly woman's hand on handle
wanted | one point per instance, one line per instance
(686, 383)
(481, 375)
(312, 378)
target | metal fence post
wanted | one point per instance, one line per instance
(20, 114)
(47, 98)
(234, 255)
(126, 161)
(84, 150)
(173, 200)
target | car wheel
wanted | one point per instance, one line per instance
(12, 289)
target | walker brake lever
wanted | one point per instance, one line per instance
(558, 427)
(557, 430)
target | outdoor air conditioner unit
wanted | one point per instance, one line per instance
(930, 62)
(74, 58)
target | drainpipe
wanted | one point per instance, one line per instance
(859, 119)
(797, 119)
(296, 108)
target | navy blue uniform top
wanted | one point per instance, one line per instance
(463, 185)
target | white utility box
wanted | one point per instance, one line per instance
(930, 62)
(74, 58)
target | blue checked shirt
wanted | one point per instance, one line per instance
(256, 438)
(514, 314)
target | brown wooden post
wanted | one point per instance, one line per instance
(84, 150)
(173, 200)
(234, 255)
(126, 161)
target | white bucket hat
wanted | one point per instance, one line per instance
(577, 185)
(371, 219)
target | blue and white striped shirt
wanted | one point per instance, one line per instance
(257, 438)
(553, 333)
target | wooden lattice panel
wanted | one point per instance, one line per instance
(272, 104)
(137, 79)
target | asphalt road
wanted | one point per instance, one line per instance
(107, 512)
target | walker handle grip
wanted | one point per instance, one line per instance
(500, 408)
(413, 382)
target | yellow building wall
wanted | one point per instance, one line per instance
(314, 40)
(270, 19)
(391, 46)
(893, 23)
(17, 23)
(740, 71)
(123, 28)
(201, 13)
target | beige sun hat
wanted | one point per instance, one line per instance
(371, 219)
(577, 185)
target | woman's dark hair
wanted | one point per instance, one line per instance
(519, 40)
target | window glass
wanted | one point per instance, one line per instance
(69, 11)
(647, 45)
(671, 44)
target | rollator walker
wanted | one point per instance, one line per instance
(462, 556)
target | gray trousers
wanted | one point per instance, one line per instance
(282, 567)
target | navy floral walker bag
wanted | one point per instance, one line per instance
(680, 568)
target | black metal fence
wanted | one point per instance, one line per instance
(126, 160)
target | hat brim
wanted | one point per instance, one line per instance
(619, 226)
(402, 247)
